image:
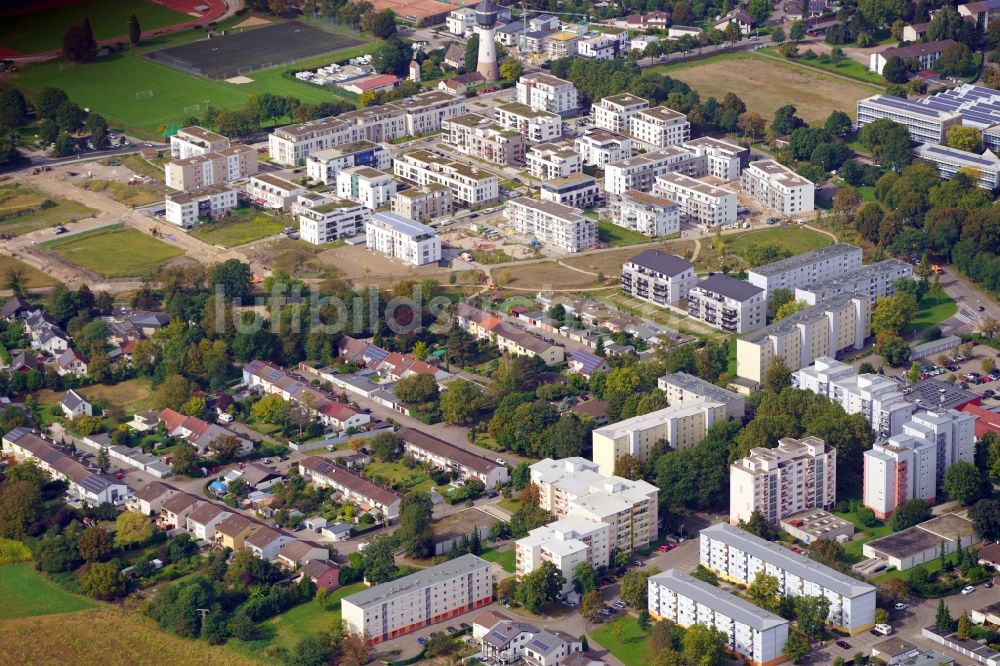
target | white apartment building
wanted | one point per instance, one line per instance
(640, 172)
(875, 281)
(660, 127)
(272, 191)
(728, 304)
(577, 190)
(572, 487)
(841, 323)
(461, 21)
(545, 92)
(912, 464)
(548, 161)
(751, 632)
(193, 141)
(739, 556)
(797, 475)
(949, 161)
(680, 387)
(876, 397)
(416, 115)
(423, 204)
(778, 187)
(402, 238)
(432, 595)
(647, 214)
(223, 166)
(325, 219)
(367, 186)
(322, 165)
(615, 113)
(185, 209)
(533, 124)
(682, 426)
(723, 160)
(566, 543)
(604, 46)
(599, 147)
(926, 124)
(657, 277)
(551, 223)
(478, 136)
(708, 205)
(807, 268)
(469, 185)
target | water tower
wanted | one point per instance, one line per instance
(486, 22)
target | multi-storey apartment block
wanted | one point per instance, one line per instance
(423, 204)
(604, 46)
(682, 426)
(273, 191)
(551, 223)
(660, 127)
(548, 161)
(533, 124)
(841, 323)
(223, 166)
(545, 92)
(926, 124)
(478, 136)
(778, 187)
(807, 268)
(797, 475)
(658, 277)
(598, 147)
(193, 141)
(431, 595)
(708, 205)
(751, 632)
(415, 115)
(185, 209)
(449, 457)
(728, 304)
(324, 219)
(572, 487)
(322, 165)
(403, 238)
(681, 387)
(875, 281)
(647, 214)
(739, 556)
(641, 171)
(912, 464)
(723, 160)
(367, 186)
(615, 113)
(577, 190)
(949, 161)
(469, 185)
(566, 543)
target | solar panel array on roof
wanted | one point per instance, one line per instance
(376, 354)
(979, 106)
(971, 158)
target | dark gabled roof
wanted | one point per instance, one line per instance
(730, 286)
(351, 480)
(917, 50)
(455, 453)
(150, 319)
(316, 568)
(13, 306)
(72, 400)
(662, 262)
(588, 362)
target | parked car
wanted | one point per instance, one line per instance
(900, 606)
(968, 589)
(844, 645)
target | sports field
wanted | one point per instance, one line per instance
(766, 84)
(102, 251)
(41, 31)
(250, 50)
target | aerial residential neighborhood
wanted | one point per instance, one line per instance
(565, 334)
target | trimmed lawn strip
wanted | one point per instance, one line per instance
(27, 593)
(505, 558)
(623, 638)
(846, 66)
(613, 235)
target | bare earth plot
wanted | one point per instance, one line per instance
(765, 85)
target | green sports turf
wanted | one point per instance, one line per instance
(42, 31)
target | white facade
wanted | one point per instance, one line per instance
(469, 185)
(222, 166)
(272, 191)
(365, 185)
(875, 281)
(403, 239)
(533, 124)
(604, 46)
(551, 223)
(926, 124)
(723, 160)
(548, 161)
(322, 166)
(461, 21)
(660, 127)
(185, 209)
(700, 202)
(751, 632)
(647, 214)
(545, 92)
(796, 476)
(566, 543)
(728, 304)
(614, 113)
(598, 147)
(807, 268)
(778, 187)
(193, 141)
(330, 219)
(680, 387)
(912, 464)
(949, 161)
(658, 277)
(577, 190)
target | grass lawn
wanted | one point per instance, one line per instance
(309, 618)
(505, 558)
(12, 552)
(796, 239)
(506, 306)
(34, 278)
(510, 504)
(846, 67)
(931, 311)
(35, 32)
(23, 210)
(615, 236)
(853, 548)
(121, 637)
(239, 230)
(396, 473)
(141, 194)
(930, 567)
(101, 252)
(27, 593)
(623, 638)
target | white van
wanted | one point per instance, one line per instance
(884, 629)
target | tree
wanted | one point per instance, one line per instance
(95, 544)
(785, 121)
(846, 202)
(101, 580)
(893, 350)
(893, 314)
(132, 527)
(913, 374)
(48, 101)
(985, 515)
(963, 482)
(778, 376)
(889, 141)
(520, 476)
(797, 32)
(634, 587)
(185, 460)
(964, 138)
(539, 587)
(629, 467)
(705, 646)
(78, 42)
(895, 70)
(909, 514)
(20, 507)
(64, 146)
(461, 403)
(417, 389)
(103, 461)
(511, 69)
(787, 310)
(134, 30)
(590, 605)
(415, 535)
(942, 618)
(584, 578)
(811, 613)
(385, 447)
(757, 524)
(234, 278)
(381, 24)
(759, 10)
(13, 108)
(270, 409)
(954, 60)
(964, 628)
(796, 646)
(765, 591)
(752, 124)
(881, 616)
(225, 447)
(380, 559)
(838, 124)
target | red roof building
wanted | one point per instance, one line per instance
(986, 421)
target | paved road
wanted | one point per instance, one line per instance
(969, 299)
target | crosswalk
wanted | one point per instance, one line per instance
(965, 316)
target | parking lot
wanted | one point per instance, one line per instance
(968, 371)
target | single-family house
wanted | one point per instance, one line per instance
(72, 362)
(201, 522)
(462, 83)
(175, 511)
(26, 361)
(73, 405)
(15, 308)
(454, 57)
(197, 432)
(232, 531)
(342, 416)
(298, 552)
(266, 543)
(260, 477)
(149, 323)
(149, 499)
(586, 363)
(323, 573)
